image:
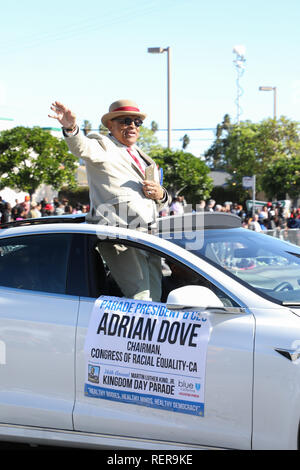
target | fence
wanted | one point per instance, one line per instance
(291, 235)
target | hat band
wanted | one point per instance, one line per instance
(126, 108)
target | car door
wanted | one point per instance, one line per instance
(37, 331)
(224, 421)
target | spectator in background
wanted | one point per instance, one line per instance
(201, 206)
(26, 205)
(68, 209)
(56, 203)
(48, 210)
(293, 222)
(241, 213)
(2, 203)
(226, 208)
(245, 223)
(15, 208)
(262, 220)
(35, 210)
(176, 207)
(21, 215)
(235, 208)
(6, 215)
(60, 209)
(78, 209)
(263, 213)
(254, 224)
(295, 213)
(210, 205)
(280, 214)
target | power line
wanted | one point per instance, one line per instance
(89, 24)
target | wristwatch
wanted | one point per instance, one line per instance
(69, 132)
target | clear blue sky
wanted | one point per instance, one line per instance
(90, 54)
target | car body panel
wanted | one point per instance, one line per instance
(37, 379)
(276, 381)
(55, 437)
(228, 392)
(252, 395)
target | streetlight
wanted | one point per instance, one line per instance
(274, 89)
(160, 50)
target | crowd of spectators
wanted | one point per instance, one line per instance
(272, 216)
(28, 209)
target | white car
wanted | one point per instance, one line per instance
(214, 364)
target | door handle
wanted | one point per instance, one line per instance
(291, 354)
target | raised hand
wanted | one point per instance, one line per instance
(63, 115)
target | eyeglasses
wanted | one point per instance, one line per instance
(128, 121)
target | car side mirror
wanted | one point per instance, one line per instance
(197, 297)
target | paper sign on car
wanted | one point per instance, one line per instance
(142, 353)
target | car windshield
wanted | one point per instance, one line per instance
(265, 264)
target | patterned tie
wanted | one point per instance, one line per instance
(136, 160)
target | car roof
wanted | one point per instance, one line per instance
(53, 219)
(174, 223)
(132, 236)
(198, 221)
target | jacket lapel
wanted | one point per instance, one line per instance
(128, 160)
(146, 157)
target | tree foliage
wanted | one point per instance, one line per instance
(184, 174)
(185, 141)
(283, 177)
(215, 155)
(147, 140)
(87, 127)
(32, 156)
(269, 149)
(103, 130)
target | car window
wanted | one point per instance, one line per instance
(269, 266)
(119, 275)
(35, 262)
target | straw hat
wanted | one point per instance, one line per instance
(122, 108)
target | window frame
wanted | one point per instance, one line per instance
(163, 254)
(21, 237)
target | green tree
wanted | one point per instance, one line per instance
(253, 149)
(283, 177)
(87, 127)
(32, 156)
(184, 174)
(147, 140)
(103, 130)
(185, 141)
(154, 126)
(215, 155)
(257, 149)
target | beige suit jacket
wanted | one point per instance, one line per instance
(115, 182)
